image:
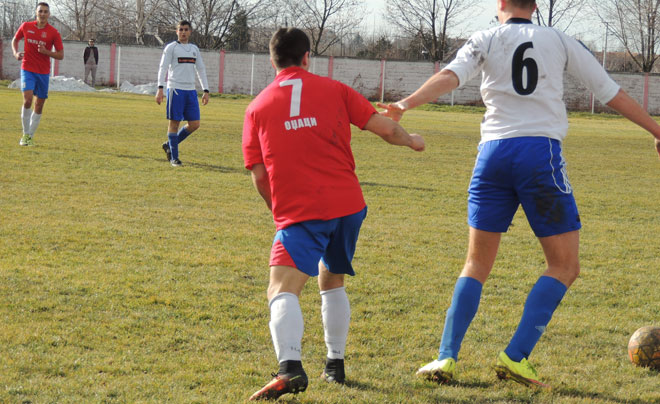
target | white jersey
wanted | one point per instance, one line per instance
(182, 62)
(522, 83)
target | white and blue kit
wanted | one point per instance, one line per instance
(520, 159)
(179, 66)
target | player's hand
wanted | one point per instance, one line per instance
(393, 111)
(205, 98)
(19, 55)
(42, 49)
(417, 142)
(159, 96)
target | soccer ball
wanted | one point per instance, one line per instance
(644, 347)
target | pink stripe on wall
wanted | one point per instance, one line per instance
(382, 75)
(331, 65)
(113, 62)
(646, 92)
(56, 68)
(221, 71)
(436, 67)
(1, 49)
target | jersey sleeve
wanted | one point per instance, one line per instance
(359, 108)
(470, 58)
(57, 42)
(19, 33)
(165, 62)
(201, 71)
(251, 145)
(582, 65)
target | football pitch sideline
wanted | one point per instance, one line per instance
(126, 280)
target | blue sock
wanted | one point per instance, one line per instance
(464, 305)
(541, 303)
(174, 145)
(183, 134)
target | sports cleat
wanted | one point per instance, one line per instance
(439, 371)
(26, 140)
(168, 152)
(176, 163)
(282, 384)
(522, 372)
(334, 371)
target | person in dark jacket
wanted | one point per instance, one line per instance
(91, 61)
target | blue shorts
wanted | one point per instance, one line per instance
(182, 105)
(35, 82)
(303, 245)
(530, 171)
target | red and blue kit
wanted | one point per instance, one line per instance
(48, 36)
(299, 128)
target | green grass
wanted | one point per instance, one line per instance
(124, 280)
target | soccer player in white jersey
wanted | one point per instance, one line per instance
(181, 61)
(519, 162)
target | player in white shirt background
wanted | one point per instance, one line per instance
(519, 163)
(180, 63)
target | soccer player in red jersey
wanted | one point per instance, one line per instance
(40, 39)
(296, 142)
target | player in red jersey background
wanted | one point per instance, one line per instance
(39, 40)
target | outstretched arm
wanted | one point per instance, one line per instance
(439, 84)
(262, 183)
(629, 108)
(393, 133)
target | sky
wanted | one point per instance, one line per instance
(485, 12)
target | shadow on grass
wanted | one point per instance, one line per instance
(375, 184)
(571, 392)
(209, 167)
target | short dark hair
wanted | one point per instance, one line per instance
(42, 4)
(184, 22)
(288, 46)
(523, 3)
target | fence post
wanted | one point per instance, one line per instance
(113, 61)
(221, 72)
(119, 67)
(382, 80)
(252, 76)
(646, 92)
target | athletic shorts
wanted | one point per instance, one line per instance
(182, 105)
(530, 171)
(303, 245)
(35, 82)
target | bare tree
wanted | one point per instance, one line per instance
(14, 13)
(326, 21)
(636, 24)
(79, 16)
(558, 13)
(430, 20)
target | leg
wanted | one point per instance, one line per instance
(188, 130)
(286, 327)
(173, 139)
(26, 114)
(94, 75)
(482, 250)
(561, 252)
(336, 315)
(36, 115)
(88, 69)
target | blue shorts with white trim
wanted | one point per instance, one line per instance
(182, 105)
(527, 171)
(302, 245)
(35, 82)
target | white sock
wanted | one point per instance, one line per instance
(286, 326)
(34, 123)
(336, 313)
(25, 118)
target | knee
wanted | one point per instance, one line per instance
(192, 126)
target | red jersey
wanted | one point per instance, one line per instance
(299, 128)
(48, 36)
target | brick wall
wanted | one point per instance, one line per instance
(245, 73)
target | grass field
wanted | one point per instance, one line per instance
(125, 280)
